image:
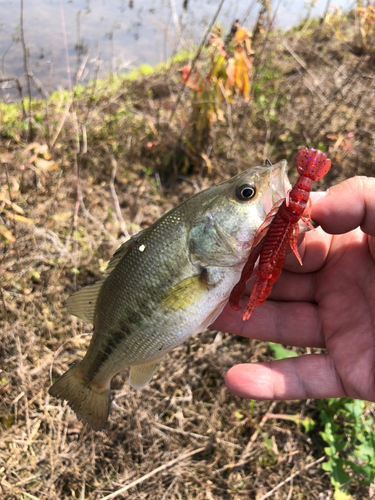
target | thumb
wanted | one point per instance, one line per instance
(347, 206)
(304, 377)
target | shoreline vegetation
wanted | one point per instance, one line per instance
(83, 171)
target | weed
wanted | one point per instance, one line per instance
(349, 433)
(366, 27)
(350, 436)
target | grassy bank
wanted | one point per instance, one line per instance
(82, 172)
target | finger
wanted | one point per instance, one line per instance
(347, 206)
(290, 323)
(311, 376)
(294, 287)
(290, 287)
(313, 250)
(316, 195)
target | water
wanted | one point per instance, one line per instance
(113, 35)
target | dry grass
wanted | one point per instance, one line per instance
(185, 425)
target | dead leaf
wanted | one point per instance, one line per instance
(231, 69)
(19, 218)
(61, 216)
(15, 207)
(208, 163)
(7, 234)
(31, 147)
(43, 151)
(45, 165)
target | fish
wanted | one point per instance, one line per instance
(166, 283)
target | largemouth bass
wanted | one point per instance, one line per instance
(166, 283)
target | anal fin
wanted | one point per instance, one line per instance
(140, 375)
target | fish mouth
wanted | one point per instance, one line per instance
(279, 181)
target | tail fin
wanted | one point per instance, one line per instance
(90, 403)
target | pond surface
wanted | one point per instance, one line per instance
(114, 35)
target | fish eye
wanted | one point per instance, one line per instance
(246, 191)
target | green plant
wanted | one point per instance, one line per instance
(366, 27)
(334, 19)
(279, 352)
(349, 433)
(350, 436)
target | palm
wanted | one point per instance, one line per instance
(329, 302)
(345, 291)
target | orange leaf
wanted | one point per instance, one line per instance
(230, 70)
(185, 73)
(246, 87)
(240, 34)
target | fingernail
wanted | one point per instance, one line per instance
(317, 195)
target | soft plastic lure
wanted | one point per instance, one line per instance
(278, 229)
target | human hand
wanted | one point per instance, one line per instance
(329, 302)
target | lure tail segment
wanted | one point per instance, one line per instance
(89, 402)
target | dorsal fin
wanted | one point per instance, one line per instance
(82, 303)
(121, 251)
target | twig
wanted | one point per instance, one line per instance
(95, 221)
(196, 58)
(229, 112)
(155, 471)
(39, 86)
(84, 139)
(267, 138)
(291, 477)
(67, 106)
(317, 124)
(115, 198)
(4, 55)
(91, 99)
(176, 23)
(247, 451)
(194, 435)
(19, 88)
(29, 495)
(304, 66)
(25, 66)
(247, 13)
(82, 68)
(76, 177)
(256, 433)
(65, 45)
(290, 491)
(61, 123)
(173, 482)
(3, 303)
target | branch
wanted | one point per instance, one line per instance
(155, 471)
(291, 477)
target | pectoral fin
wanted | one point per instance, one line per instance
(140, 375)
(192, 290)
